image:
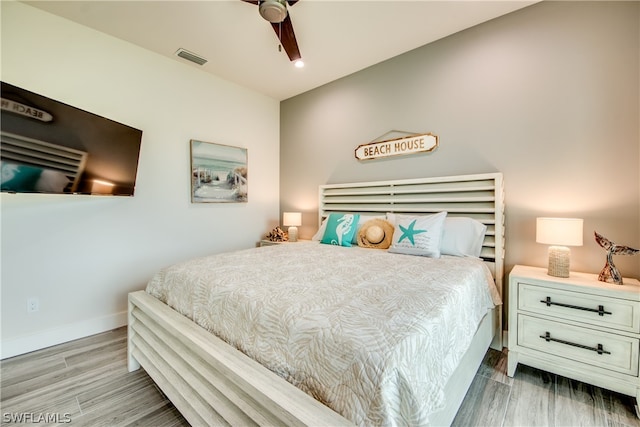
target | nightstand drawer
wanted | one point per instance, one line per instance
(597, 310)
(609, 351)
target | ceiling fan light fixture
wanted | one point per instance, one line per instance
(298, 63)
(273, 11)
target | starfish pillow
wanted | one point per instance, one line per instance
(418, 235)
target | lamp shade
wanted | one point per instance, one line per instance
(559, 231)
(291, 219)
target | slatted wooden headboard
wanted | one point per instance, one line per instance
(478, 196)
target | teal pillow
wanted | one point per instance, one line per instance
(340, 229)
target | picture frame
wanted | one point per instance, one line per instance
(219, 173)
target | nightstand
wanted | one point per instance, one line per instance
(576, 327)
(266, 242)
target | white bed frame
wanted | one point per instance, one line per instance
(212, 383)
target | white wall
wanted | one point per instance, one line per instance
(81, 255)
(549, 95)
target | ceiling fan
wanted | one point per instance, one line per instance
(275, 11)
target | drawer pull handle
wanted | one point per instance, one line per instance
(599, 310)
(598, 349)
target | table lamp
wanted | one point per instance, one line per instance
(292, 220)
(560, 233)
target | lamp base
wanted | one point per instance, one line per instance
(293, 234)
(559, 260)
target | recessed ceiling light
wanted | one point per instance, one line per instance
(299, 63)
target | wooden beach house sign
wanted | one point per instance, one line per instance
(25, 110)
(411, 144)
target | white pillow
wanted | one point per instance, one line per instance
(321, 229)
(462, 236)
(363, 218)
(418, 235)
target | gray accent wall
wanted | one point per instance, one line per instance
(548, 95)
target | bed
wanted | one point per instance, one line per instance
(385, 360)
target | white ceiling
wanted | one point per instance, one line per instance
(336, 38)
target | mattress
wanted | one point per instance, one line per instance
(373, 335)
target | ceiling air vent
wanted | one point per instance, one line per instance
(190, 56)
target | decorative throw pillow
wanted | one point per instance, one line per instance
(340, 229)
(462, 236)
(363, 218)
(418, 235)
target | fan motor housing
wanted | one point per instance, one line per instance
(273, 10)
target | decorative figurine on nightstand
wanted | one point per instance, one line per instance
(278, 235)
(610, 273)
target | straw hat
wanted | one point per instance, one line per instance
(375, 233)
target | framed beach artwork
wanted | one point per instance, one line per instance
(218, 173)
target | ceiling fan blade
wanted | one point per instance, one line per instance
(251, 1)
(292, 2)
(284, 31)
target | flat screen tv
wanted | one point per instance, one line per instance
(53, 148)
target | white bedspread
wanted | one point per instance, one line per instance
(373, 335)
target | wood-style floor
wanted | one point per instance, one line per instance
(86, 383)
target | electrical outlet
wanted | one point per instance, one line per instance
(33, 305)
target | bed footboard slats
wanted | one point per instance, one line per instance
(195, 377)
(210, 382)
(173, 387)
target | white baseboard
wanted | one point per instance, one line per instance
(28, 343)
